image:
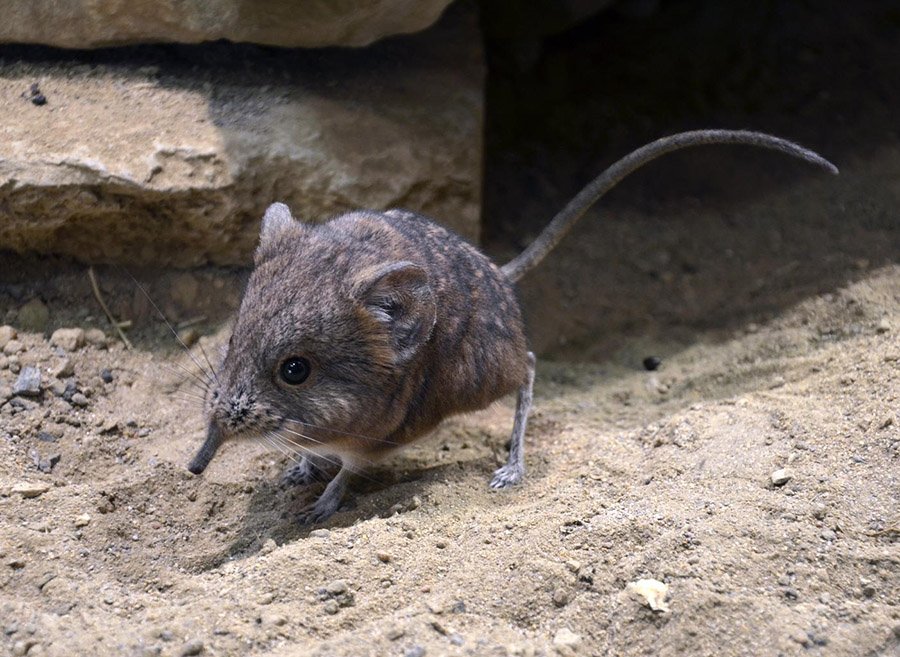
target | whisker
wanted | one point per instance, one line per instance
(295, 446)
(290, 441)
(206, 358)
(284, 451)
(291, 444)
(335, 431)
(186, 396)
(194, 380)
(172, 329)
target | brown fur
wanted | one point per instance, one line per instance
(360, 402)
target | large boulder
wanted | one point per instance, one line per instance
(304, 23)
(170, 155)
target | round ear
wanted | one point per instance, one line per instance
(275, 221)
(398, 295)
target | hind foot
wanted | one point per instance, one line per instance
(508, 475)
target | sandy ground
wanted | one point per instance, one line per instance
(632, 474)
(770, 293)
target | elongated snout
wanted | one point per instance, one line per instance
(207, 450)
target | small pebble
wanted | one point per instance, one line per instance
(331, 608)
(191, 648)
(828, 535)
(652, 363)
(415, 651)
(16, 563)
(63, 369)
(394, 633)
(566, 641)
(781, 477)
(383, 557)
(268, 547)
(336, 587)
(106, 375)
(7, 333)
(13, 347)
(883, 325)
(83, 520)
(28, 383)
(70, 339)
(22, 648)
(95, 337)
(819, 511)
(790, 593)
(79, 399)
(561, 597)
(320, 533)
(47, 464)
(29, 489)
(440, 544)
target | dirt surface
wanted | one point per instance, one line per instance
(633, 474)
(770, 293)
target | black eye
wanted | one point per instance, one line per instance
(294, 370)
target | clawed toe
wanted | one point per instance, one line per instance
(507, 476)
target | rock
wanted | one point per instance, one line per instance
(80, 400)
(383, 557)
(781, 477)
(651, 592)
(5, 393)
(828, 535)
(7, 333)
(13, 347)
(95, 337)
(337, 587)
(29, 489)
(399, 124)
(566, 642)
(63, 369)
(191, 648)
(106, 376)
(70, 339)
(47, 464)
(304, 23)
(28, 383)
(33, 316)
(561, 597)
(83, 520)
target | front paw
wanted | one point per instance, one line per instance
(303, 473)
(508, 475)
(319, 511)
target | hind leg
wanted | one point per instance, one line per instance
(512, 473)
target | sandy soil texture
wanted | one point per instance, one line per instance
(633, 474)
(770, 294)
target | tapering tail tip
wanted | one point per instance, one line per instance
(830, 167)
(207, 450)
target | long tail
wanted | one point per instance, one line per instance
(562, 223)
